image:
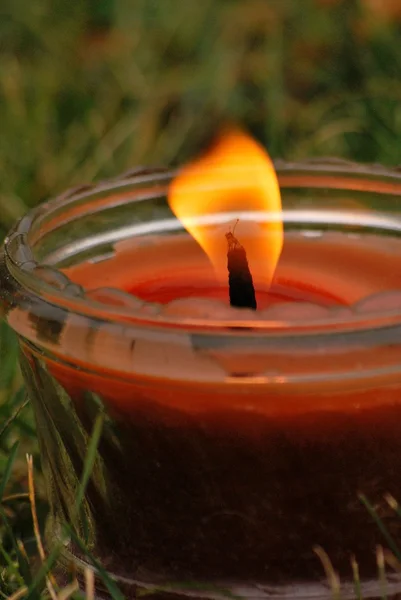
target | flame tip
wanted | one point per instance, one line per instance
(234, 174)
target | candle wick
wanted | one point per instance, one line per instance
(240, 282)
(235, 225)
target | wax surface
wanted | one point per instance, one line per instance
(318, 277)
(345, 268)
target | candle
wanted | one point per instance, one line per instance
(236, 440)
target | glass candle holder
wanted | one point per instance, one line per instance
(234, 442)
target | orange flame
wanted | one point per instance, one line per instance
(235, 176)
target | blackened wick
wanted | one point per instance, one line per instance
(242, 291)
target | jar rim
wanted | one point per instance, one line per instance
(331, 173)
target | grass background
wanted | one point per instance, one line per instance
(92, 87)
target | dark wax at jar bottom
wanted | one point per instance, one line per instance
(247, 498)
(229, 495)
(240, 496)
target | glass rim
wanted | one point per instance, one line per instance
(330, 173)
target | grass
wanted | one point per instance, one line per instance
(90, 88)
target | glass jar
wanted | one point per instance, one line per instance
(233, 443)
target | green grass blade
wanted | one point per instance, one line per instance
(89, 459)
(13, 570)
(373, 513)
(89, 463)
(107, 580)
(24, 566)
(12, 418)
(8, 355)
(18, 398)
(7, 471)
(39, 579)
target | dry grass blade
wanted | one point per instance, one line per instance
(381, 571)
(68, 591)
(357, 581)
(33, 507)
(332, 577)
(22, 550)
(392, 561)
(50, 583)
(89, 584)
(23, 560)
(12, 497)
(391, 501)
(18, 594)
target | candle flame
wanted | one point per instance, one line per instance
(234, 176)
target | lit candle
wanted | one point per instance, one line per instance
(237, 439)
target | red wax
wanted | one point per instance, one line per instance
(326, 274)
(227, 458)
